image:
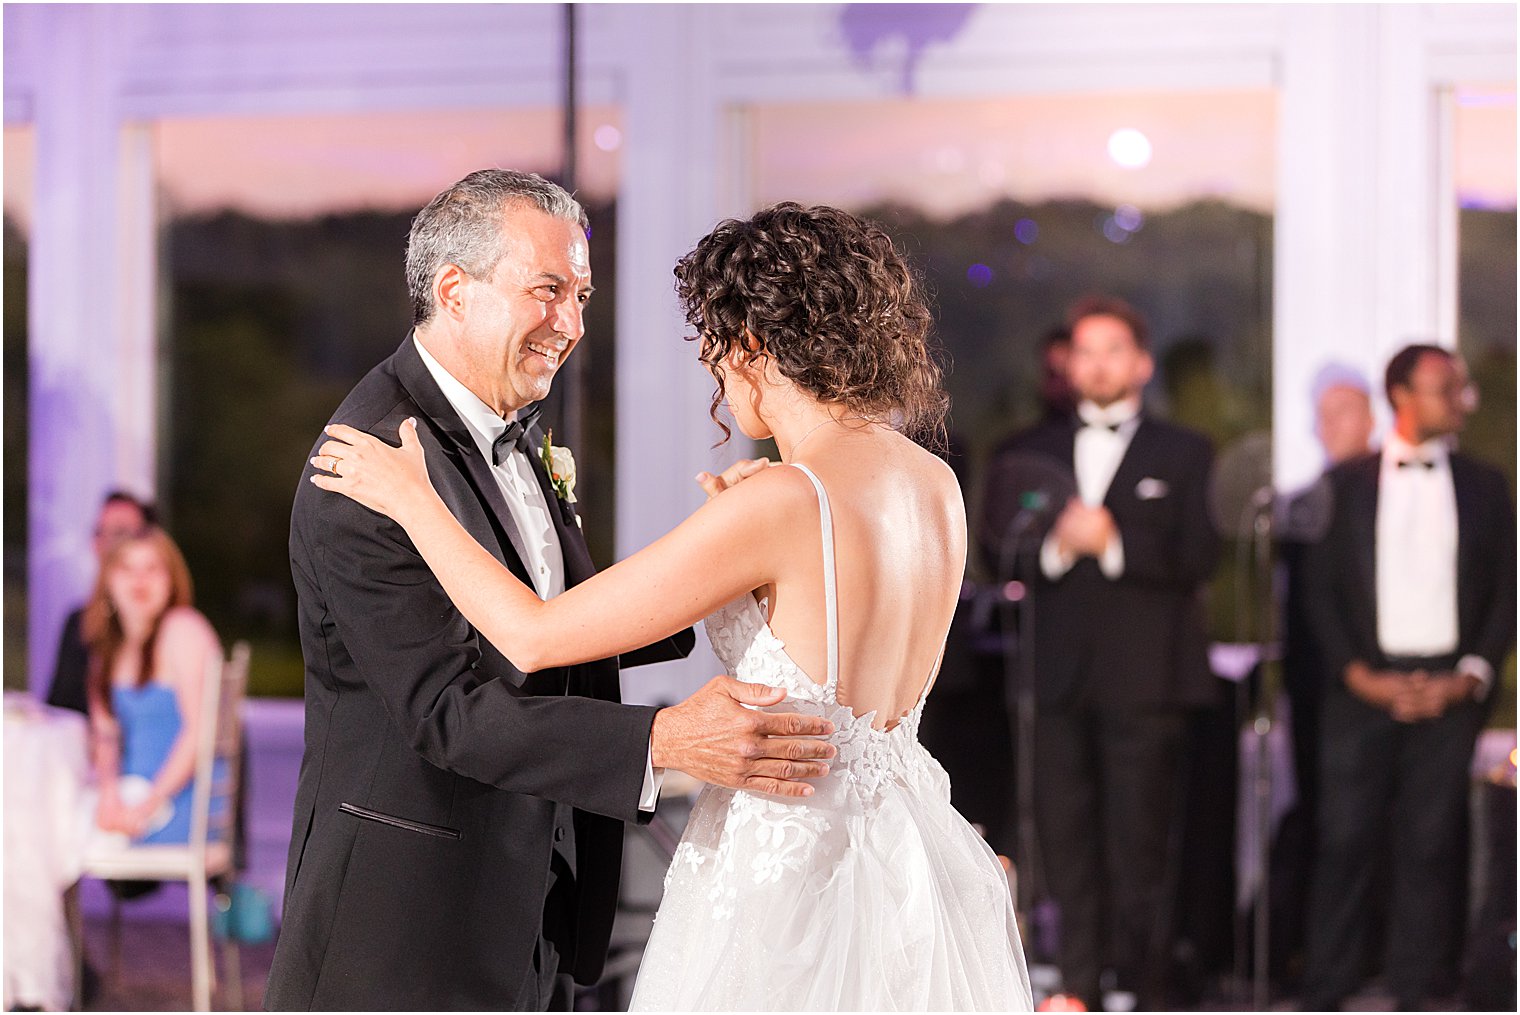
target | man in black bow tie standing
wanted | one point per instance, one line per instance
(1120, 654)
(1413, 606)
(457, 836)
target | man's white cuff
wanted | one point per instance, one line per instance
(1112, 561)
(654, 778)
(1053, 562)
(1477, 667)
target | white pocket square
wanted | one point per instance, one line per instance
(1150, 488)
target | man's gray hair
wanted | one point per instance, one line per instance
(1336, 374)
(462, 226)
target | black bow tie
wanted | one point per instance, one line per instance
(1111, 427)
(516, 433)
(1417, 463)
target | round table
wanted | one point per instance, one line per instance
(47, 778)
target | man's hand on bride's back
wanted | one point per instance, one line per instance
(731, 476)
(712, 736)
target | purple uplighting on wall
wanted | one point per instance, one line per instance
(871, 27)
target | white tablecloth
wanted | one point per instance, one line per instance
(47, 825)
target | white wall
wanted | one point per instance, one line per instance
(1364, 245)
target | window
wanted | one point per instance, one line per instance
(1484, 171)
(283, 283)
(1485, 185)
(1014, 208)
(20, 161)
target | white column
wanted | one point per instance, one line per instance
(90, 299)
(1409, 164)
(666, 203)
(1324, 291)
(1447, 213)
(1357, 224)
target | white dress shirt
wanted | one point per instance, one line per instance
(545, 558)
(514, 476)
(1416, 562)
(1098, 449)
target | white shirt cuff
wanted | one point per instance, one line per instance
(1112, 560)
(1053, 562)
(1477, 667)
(654, 778)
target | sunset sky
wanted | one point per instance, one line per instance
(945, 156)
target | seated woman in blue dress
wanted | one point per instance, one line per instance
(149, 653)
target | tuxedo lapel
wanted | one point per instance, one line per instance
(1469, 520)
(464, 482)
(1059, 440)
(1362, 510)
(1131, 467)
(578, 566)
(467, 460)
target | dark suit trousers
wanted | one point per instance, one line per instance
(1106, 784)
(1404, 786)
(556, 990)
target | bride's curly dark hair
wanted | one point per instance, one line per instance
(827, 297)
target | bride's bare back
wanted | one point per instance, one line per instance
(900, 551)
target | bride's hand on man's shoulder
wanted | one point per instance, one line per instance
(731, 476)
(384, 478)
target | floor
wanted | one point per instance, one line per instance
(153, 969)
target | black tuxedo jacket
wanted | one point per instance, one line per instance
(438, 780)
(71, 667)
(1341, 570)
(1139, 640)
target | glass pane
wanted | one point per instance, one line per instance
(20, 161)
(1485, 178)
(284, 250)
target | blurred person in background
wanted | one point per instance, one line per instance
(1001, 495)
(121, 515)
(149, 652)
(1120, 656)
(971, 730)
(1057, 400)
(1343, 420)
(1343, 424)
(1413, 609)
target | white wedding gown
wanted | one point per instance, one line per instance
(873, 894)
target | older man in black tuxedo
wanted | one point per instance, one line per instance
(1413, 608)
(457, 836)
(1120, 653)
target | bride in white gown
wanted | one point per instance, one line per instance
(836, 580)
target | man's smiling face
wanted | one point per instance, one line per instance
(523, 321)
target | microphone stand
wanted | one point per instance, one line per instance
(1256, 519)
(1019, 681)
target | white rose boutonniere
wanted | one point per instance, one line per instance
(560, 464)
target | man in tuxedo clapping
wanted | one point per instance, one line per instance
(1120, 654)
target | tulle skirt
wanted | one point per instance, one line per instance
(863, 898)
